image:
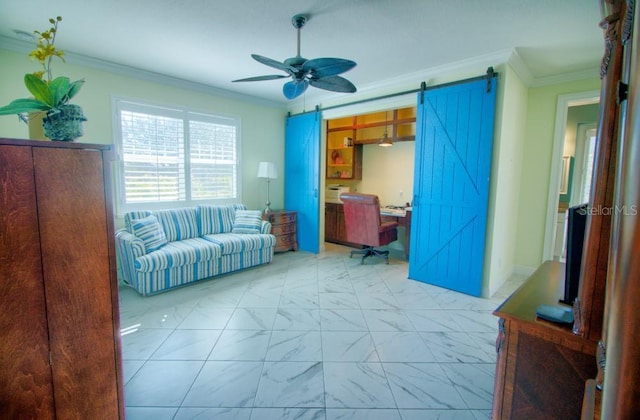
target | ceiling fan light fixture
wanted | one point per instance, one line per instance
(321, 73)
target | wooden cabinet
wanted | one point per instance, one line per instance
(334, 226)
(345, 137)
(284, 227)
(60, 349)
(542, 367)
(335, 230)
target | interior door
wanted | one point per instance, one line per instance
(302, 177)
(454, 139)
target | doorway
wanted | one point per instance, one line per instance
(584, 157)
(574, 111)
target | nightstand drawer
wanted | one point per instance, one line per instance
(281, 218)
(286, 243)
(283, 229)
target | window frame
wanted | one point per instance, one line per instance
(119, 103)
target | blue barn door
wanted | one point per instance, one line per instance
(302, 177)
(454, 139)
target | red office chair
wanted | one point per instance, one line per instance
(362, 220)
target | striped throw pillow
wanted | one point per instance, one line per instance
(150, 232)
(247, 221)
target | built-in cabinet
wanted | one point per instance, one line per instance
(344, 158)
(60, 351)
(334, 224)
(346, 136)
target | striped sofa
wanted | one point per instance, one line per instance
(161, 250)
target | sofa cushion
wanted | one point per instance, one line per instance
(150, 232)
(177, 254)
(217, 218)
(178, 224)
(232, 243)
(247, 221)
(134, 215)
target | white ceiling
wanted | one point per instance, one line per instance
(210, 41)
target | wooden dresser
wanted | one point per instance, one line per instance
(284, 227)
(542, 367)
(60, 351)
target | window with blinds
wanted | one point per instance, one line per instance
(171, 157)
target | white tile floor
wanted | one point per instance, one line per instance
(310, 337)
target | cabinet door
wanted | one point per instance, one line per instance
(341, 224)
(75, 254)
(25, 374)
(330, 222)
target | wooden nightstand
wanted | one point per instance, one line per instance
(284, 227)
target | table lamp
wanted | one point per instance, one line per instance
(269, 171)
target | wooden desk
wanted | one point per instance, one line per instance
(405, 222)
(542, 367)
(335, 231)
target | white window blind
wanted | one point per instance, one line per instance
(175, 157)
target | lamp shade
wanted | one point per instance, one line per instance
(267, 170)
(386, 141)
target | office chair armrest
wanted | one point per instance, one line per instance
(388, 226)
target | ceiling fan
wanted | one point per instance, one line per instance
(321, 73)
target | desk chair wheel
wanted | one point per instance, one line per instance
(370, 251)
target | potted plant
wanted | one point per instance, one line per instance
(62, 121)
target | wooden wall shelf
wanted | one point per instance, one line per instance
(369, 128)
(347, 135)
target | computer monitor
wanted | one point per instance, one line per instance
(576, 227)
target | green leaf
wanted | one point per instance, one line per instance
(74, 88)
(23, 105)
(39, 89)
(59, 88)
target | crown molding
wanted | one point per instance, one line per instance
(462, 68)
(520, 68)
(516, 62)
(591, 73)
(467, 67)
(133, 72)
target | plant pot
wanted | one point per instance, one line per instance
(36, 128)
(64, 123)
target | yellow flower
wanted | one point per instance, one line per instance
(45, 49)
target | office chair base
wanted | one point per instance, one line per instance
(370, 251)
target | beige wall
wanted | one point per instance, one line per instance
(525, 119)
(504, 191)
(388, 172)
(262, 133)
(536, 168)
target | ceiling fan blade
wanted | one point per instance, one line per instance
(323, 67)
(294, 88)
(333, 83)
(273, 63)
(261, 78)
